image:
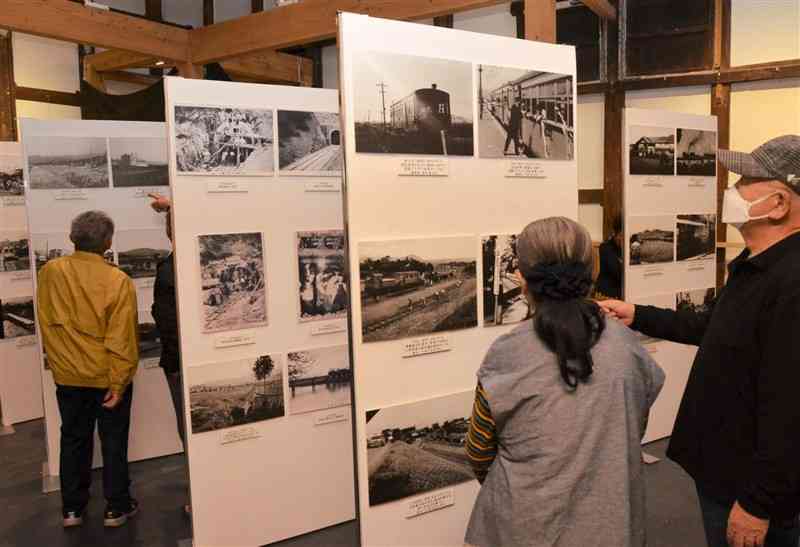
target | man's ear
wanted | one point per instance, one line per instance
(784, 207)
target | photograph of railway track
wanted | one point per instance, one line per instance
(697, 301)
(322, 283)
(525, 114)
(412, 105)
(503, 299)
(234, 294)
(140, 251)
(16, 317)
(138, 162)
(223, 141)
(309, 143)
(652, 150)
(14, 252)
(418, 447)
(236, 393)
(697, 237)
(319, 379)
(652, 240)
(11, 179)
(46, 247)
(697, 153)
(56, 163)
(414, 287)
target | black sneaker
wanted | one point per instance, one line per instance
(115, 519)
(72, 518)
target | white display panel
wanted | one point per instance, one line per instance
(408, 203)
(62, 159)
(285, 468)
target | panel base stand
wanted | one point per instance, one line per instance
(185, 542)
(7, 430)
(648, 458)
(50, 483)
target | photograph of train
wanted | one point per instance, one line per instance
(697, 237)
(234, 294)
(140, 251)
(697, 153)
(652, 150)
(11, 178)
(697, 301)
(319, 379)
(525, 114)
(503, 299)
(223, 141)
(56, 163)
(412, 105)
(138, 162)
(309, 143)
(14, 252)
(652, 240)
(16, 317)
(236, 393)
(414, 287)
(46, 247)
(418, 447)
(321, 266)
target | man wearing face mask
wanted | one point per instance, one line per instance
(738, 428)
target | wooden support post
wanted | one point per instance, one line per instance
(518, 11)
(540, 20)
(190, 70)
(93, 77)
(208, 12)
(152, 10)
(256, 6)
(721, 108)
(613, 180)
(8, 101)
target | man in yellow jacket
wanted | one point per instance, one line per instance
(88, 320)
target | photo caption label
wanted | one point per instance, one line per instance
(525, 170)
(430, 503)
(26, 342)
(71, 194)
(239, 435)
(329, 328)
(424, 346)
(424, 167)
(13, 201)
(333, 417)
(232, 340)
(324, 186)
(227, 186)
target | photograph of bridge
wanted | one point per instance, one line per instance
(412, 105)
(236, 393)
(140, 251)
(46, 247)
(322, 284)
(11, 179)
(525, 114)
(418, 447)
(138, 162)
(319, 379)
(14, 252)
(697, 301)
(16, 317)
(56, 163)
(652, 150)
(223, 141)
(503, 299)
(414, 287)
(652, 240)
(309, 143)
(234, 294)
(697, 153)
(697, 237)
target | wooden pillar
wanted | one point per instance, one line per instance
(190, 70)
(257, 5)
(721, 108)
(518, 11)
(208, 12)
(8, 101)
(613, 179)
(540, 20)
(152, 10)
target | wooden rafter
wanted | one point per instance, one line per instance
(271, 66)
(602, 8)
(8, 99)
(116, 59)
(540, 20)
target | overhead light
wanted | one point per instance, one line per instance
(160, 63)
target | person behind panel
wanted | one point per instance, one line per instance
(609, 282)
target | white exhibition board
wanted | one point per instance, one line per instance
(670, 204)
(437, 196)
(260, 477)
(79, 166)
(20, 383)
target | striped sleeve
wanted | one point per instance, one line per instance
(481, 442)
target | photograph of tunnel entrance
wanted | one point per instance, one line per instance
(309, 143)
(415, 287)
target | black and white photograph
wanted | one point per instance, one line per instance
(47, 247)
(415, 287)
(525, 114)
(140, 251)
(236, 393)
(697, 153)
(16, 317)
(319, 379)
(652, 150)
(697, 237)
(14, 252)
(309, 143)
(138, 161)
(652, 240)
(149, 340)
(12, 182)
(233, 281)
(504, 301)
(58, 163)
(321, 269)
(412, 105)
(418, 447)
(696, 301)
(223, 141)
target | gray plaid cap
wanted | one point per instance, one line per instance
(778, 159)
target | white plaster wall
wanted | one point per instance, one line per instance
(495, 20)
(131, 6)
(233, 9)
(45, 111)
(688, 100)
(44, 63)
(591, 137)
(591, 216)
(183, 12)
(764, 31)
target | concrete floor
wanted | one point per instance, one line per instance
(29, 518)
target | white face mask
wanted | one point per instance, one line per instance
(736, 209)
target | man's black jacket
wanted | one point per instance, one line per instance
(738, 428)
(165, 314)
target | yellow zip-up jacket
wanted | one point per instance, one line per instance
(89, 323)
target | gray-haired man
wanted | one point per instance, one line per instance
(737, 432)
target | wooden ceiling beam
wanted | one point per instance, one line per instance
(130, 77)
(271, 66)
(308, 22)
(602, 8)
(117, 59)
(73, 22)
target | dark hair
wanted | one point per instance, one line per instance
(616, 224)
(91, 232)
(556, 258)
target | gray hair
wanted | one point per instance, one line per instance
(91, 231)
(554, 239)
